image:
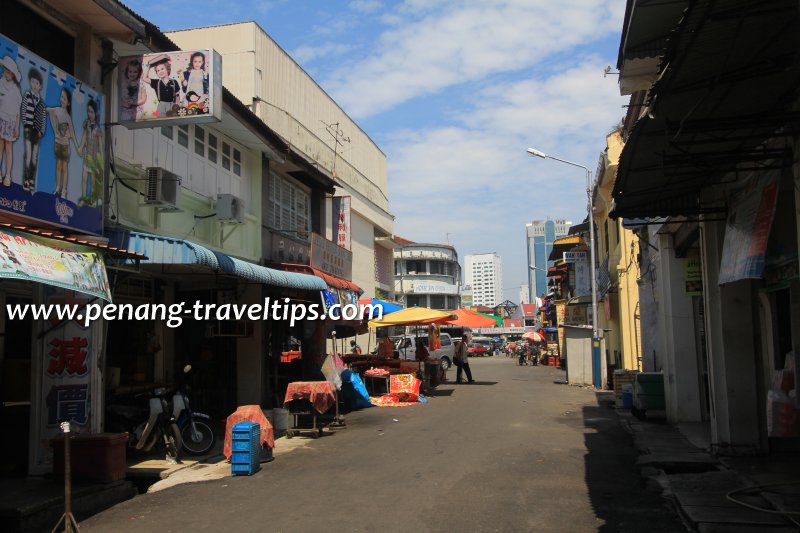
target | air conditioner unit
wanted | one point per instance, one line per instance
(163, 188)
(230, 208)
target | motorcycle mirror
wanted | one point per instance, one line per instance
(187, 369)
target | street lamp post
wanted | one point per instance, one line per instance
(595, 330)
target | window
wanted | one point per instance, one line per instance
(226, 156)
(183, 136)
(199, 141)
(212, 148)
(437, 301)
(416, 267)
(414, 301)
(237, 162)
(168, 132)
(291, 207)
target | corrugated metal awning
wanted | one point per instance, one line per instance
(168, 250)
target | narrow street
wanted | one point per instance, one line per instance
(514, 451)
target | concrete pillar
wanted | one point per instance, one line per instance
(732, 353)
(682, 391)
(250, 355)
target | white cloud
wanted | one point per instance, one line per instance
(475, 179)
(365, 6)
(306, 54)
(433, 45)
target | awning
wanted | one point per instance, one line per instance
(729, 77)
(331, 280)
(412, 316)
(386, 307)
(163, 250)
(565, 244)
(53, 262)
(471, 319)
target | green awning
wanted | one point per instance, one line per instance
(495, 318)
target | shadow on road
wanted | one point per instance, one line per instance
(440, 392)
(616, 489)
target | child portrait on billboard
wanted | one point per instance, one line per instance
(61, 119)
(168, 91)
(33, 127)
(133, 91)
(194, 83)
(90, 148)
(10, 102)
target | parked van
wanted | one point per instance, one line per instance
(406, 348)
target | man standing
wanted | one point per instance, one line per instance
(462, 360)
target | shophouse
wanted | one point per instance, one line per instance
(427, 275)
(709, 171)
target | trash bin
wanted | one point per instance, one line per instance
(627, 396)
(98, 458)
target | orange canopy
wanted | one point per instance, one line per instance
(471, 319)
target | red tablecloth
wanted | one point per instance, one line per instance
(248, 413)
(321, 394)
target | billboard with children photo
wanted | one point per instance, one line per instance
(51, 142)
(169, 88)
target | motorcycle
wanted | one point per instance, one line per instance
(195, 428)
(148, 427)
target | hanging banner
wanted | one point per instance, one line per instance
(750, 213)
(51, 142)
(68, 378)
(582, 279)
(341, 221)
(169, 88)
(693, 273)
(53, 263)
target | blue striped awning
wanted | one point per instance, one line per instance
(168, 250)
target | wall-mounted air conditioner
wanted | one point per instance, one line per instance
(163, 188)
(230, 208)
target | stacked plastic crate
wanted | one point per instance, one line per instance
(622, 378)
(245, 448)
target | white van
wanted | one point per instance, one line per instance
(405, 346)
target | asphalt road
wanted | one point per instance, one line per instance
(513, 452)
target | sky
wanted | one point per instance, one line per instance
(454, 92)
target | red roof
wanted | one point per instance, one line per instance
(529, 309)
(512, 323)
(331, 280)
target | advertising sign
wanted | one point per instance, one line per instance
(168, 88)
(582, 279)
(68, 377)
(435, 288)
(752, 208)
(693, 272)
(330, 258)
(51, 142)
(53, 263)
(576, 256)
(341, 221)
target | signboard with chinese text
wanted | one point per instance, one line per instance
(583, 279)
(751, 210)
(51, 143)
(693, 272)
(53, 262)
(67, 377)
(163, 89)
(287, 250)
(330, 258)
(341, 221)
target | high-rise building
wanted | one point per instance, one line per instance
(484, 273)
(524, 294)
(540, 235)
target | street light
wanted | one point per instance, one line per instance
(595, 331)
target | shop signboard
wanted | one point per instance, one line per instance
(582, 278)
(341, 221)
(751, 210)
(287, 250)
(67, 377)
(51, 143)
(330, 258)
(435, 288)
(169, 88)
(576, 256)
(53, 262)
(693, 273)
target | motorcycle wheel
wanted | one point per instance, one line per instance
(173, 442)
(206, 442)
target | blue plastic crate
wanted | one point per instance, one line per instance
(244, 469)
(240, 445)
(245, 448)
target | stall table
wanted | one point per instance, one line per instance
(309, 398)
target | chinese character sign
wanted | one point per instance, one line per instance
(51, 142)
(68, 375)
(169, 88)
(341, 222)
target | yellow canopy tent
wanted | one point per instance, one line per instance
(412, 316)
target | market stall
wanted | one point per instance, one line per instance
(309, 398)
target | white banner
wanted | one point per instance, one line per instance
(435, 288)
(576, 256)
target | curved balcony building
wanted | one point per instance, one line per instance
(427, 275)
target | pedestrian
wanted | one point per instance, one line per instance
(386, 348)
(422, 352)
(461, 359)
(355, 349)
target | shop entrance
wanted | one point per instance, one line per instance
(16, 340)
